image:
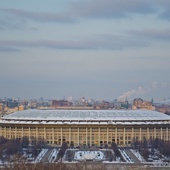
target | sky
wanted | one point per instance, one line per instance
(100, 49)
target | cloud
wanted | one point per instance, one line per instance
(165, 14)
(11, 22)
(39, 16)
(155, 34)
(134, 39)
(34, 29)
(155, 85)
(110, 42)
(96, 9)
(110, 8)
(87, 9)
(8, 49)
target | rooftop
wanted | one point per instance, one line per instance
(87, 115)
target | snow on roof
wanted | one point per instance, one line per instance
(87, 115)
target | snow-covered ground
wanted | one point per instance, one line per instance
(53, 156)
(125, 156)
(89, 155)
(138, 155)
(41, 155)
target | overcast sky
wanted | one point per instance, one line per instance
(101, 49)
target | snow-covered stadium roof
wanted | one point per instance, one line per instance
(45, 116)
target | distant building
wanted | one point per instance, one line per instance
(12, 104)
(21, 107)
(121, 104)
(125, 104)
(103, 105)
(138, 103)
(1, 106)
(9, 106)
(60, 103)
(9, 110)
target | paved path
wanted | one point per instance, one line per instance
(135, 159)
(46, 156)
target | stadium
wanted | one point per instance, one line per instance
(86, 127)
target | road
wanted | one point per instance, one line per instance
(46, 156)
(133, 157)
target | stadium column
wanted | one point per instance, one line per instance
(22, 132)
(147, 133)
(155, 133)
(140, 137)
(90, 136)
(44, 133)
(29, 134)
(161, 132)
(53, 135)
(0, 130)
(61, 135)
(99, 137)
(36, 132)
(107, 135)
(78, 136)
(69, 135)
(86, 136)
(167, 134)
(10, 135)
(132, 134)
(15, 132)
(5, 133)
(116, 135)
(124, 137)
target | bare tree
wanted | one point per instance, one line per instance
(25, 142)
(62, 149)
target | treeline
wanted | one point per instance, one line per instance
(9, 147)
(143, 146)
(56, 166)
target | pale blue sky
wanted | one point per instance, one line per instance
(102, 49)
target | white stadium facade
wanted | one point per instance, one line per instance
(86, 127)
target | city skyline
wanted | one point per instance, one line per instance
(97, 49)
